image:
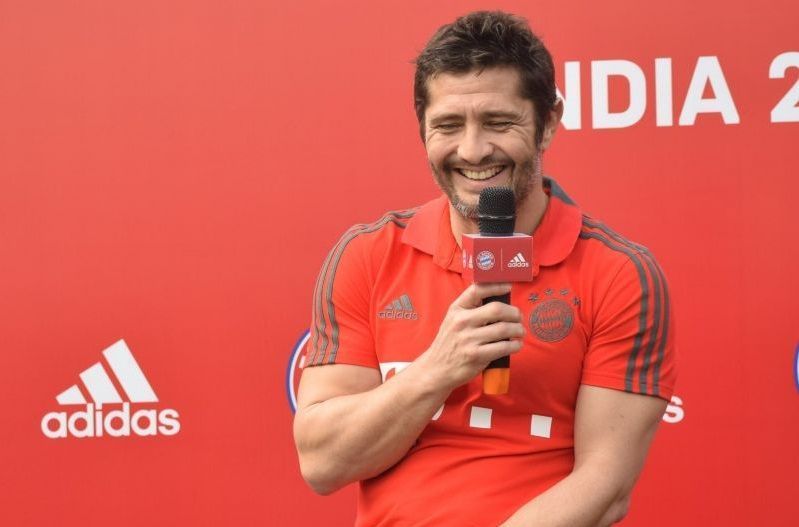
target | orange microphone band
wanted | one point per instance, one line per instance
(496, 381)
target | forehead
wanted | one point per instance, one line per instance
(497, 88)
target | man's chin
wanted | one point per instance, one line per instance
(464, 208)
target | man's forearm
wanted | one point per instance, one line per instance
(588, 497)
(613, 431)
(358, 436)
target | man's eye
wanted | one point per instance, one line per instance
(447, 126)
(499, 124)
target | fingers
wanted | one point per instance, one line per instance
(498, 331)
(474, 294)
(494, 312)
(496, 340)
(463, 317)
(495, 350)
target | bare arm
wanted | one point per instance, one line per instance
(613, 431)
(350, 427)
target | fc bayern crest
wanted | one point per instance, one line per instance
(485, 260)
(294, 369)
(552, 320)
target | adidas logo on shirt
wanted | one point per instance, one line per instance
(399, 309)
(518, 261)
(100, 388)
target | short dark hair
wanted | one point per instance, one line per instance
(486, 39)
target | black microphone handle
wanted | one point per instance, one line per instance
(502, 362)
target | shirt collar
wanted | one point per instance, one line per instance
(553, 239)
(429, 231)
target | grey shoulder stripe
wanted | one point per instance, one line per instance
(317, 314)
(658, 334)
(557, 191)
(664, 337)
(639, 335)
(661, 306)
(324, 293)
(653, 337)
(596, 224)
(319, 328)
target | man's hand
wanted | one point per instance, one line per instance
(472, 335)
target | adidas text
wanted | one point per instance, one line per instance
(399, 309)
(115, 423)
(398, 315)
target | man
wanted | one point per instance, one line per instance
(391, 394)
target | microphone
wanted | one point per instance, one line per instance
(496, 217)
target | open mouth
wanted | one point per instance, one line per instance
(480, 175)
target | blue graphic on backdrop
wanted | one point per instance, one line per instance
(796, 367)
(293, 370)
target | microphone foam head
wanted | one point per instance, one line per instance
(496, 211)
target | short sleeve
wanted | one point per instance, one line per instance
(631, 347)
(340, 329)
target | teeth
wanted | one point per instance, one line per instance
(481, 175)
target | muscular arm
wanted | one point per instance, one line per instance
(613, 431)
(350, 427)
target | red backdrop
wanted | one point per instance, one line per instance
(173, 174)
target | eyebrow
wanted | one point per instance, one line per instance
(438, 119)
(500, 114)
(490, 114)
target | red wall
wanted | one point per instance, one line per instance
(173, 173)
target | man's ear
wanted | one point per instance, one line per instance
(552, 125)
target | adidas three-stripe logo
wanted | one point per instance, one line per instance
(518, 261)
(100, 388)
(399, 309)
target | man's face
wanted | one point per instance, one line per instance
(480, 132)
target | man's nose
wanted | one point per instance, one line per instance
(474, 146)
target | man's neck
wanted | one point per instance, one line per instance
(528, 216)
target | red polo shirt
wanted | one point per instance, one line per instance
(597, 313)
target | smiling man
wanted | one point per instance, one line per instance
(390, 395)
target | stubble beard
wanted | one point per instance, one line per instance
(529, 175)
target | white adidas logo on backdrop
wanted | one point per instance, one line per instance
(100, 388)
